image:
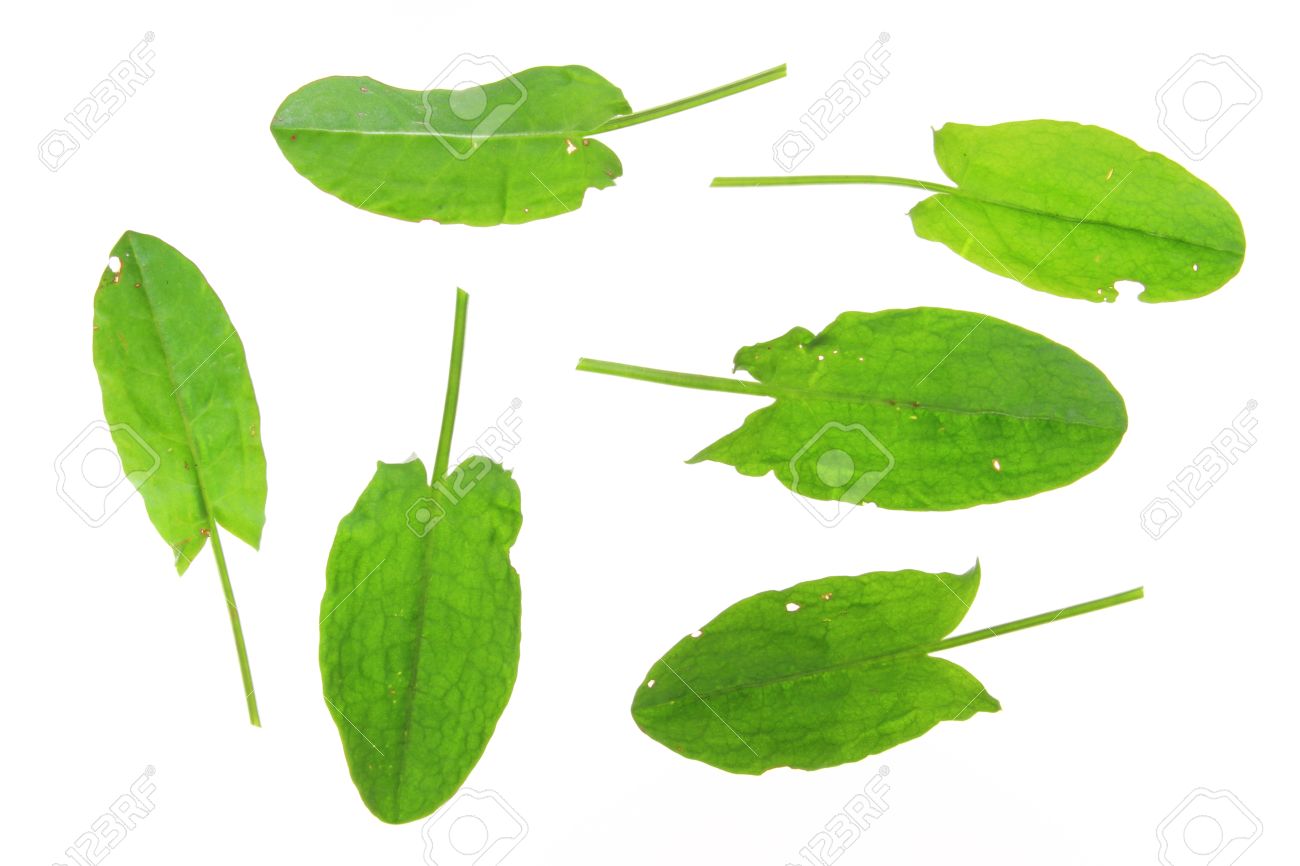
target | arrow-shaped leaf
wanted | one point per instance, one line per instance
(1068, 209)
(179, 398)
(823, 673)
(922, 409)
(511, 151)
(419, 638)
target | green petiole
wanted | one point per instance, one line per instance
(822, 179)
(699, 99)
(453, 386)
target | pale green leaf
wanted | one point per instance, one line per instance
(1070, 209)
(921, 409)
(173, 373)
(180, 404)
(511, 151)
(1067, 209)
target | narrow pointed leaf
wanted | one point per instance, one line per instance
(1070, 209)
(823, 673)
(179, 401)
(921, 409)
(419, 642)
(511, 151)
(178, 394)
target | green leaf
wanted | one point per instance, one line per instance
(511, 151)
(1069, 209)
(419, 641)
(921, 409)
(419, 638)
(823, 673)
(179, 398)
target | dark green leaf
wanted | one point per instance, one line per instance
(920, 409)
(419, 638)
(511, 151)
(420, 631)
(823, 673)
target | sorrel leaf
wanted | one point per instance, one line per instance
(823, 673)
(1068, 209)
(921, 409)
(512, 151)
(179, 398)
(419, 638)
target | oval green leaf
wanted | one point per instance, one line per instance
(922, 409)
(419, 636)
(823, 673)
(512, 151)
(1070, 209)
(1067, 209)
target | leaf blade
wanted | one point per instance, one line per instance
(368, 143)
(173, 372)
(420, 634)
(1070, 209)
(934, 409)
(837, 677)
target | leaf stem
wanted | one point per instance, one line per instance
(692, 101)
(668, 377)
(245, 671)
(1041, 619)
(812, 179)
(453, 387)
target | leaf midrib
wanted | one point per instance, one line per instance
(869, 661)
(176, 389)
(810, 395)
(960, 192)
(546, 133)
(412, 691)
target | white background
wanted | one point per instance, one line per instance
(111, 663)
